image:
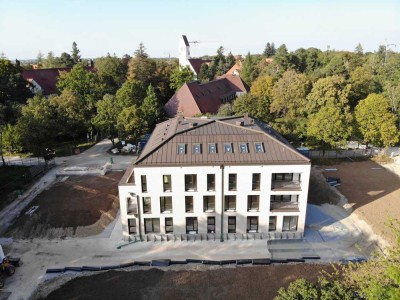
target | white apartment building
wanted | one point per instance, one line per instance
(229, 178)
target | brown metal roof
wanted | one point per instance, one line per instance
(162, 147)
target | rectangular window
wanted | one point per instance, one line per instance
(282, 176)
(232, 182)
(211, 224)
(190, 182)
(228, 148)
(189, 204)
(255, 184)
(243, 148)
(167, 183)
(272, 223)
(169, 225)
(181, 148)
(151, 225)
(131, 206)
(231, 224)
(146, 205)
(196, 148)
(252, 224)
(191, 225)
(166, 204)
(230, 203)
(253, 202)
(144, 183)
(283, 198)
(212, 148)
(210, 182)
(259, 147)
(132, 226)
(289, 223)
(209, 203)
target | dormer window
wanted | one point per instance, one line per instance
(196, 148)
(181, 148)
(243, 148)
(259, 147)
(212, 148)
(228, 148)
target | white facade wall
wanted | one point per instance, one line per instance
(154, 176)
(184, 53)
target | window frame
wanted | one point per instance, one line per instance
(253, 186)
(251, 199)
(197, 149)
(290, 229)
(206, 205)
(167, 183)
(153, 223)
(212, 189)
(282, 198)
(229, 199)
(228, 148)
(230, 218)
(192, 181)
(186, 204)
(282, 177)
(249, 222)
(211, 225)
(146, 205)
(269, 223)
(163, 205)
(245, 149)
(232, 184)
(130, 226)
(181, 149)
(194, 225)
(259, 150)
(143, 183)
(210, 148)
(171, 226)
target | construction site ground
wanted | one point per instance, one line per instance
(72, 206)
(184, 282)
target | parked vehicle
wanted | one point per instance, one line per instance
(333, 181)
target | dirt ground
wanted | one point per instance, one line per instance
(373, 192)
(260, 282)
(73, 206)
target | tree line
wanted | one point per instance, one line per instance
(324, 98)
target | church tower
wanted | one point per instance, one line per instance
(184, 51)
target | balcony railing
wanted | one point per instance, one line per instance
(284, 206)
(280, 185)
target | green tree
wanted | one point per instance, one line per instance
(111, 72)
(66, 60)
(152, 110)
(359, 49)
(246, 103)
(249, 71)
(131, 93)
(362, 83)
(269, 50)
(180, 76)
(282, 58)
(75, 53)
(289, 103)
(107, 116)
(130, 122)
(205, 74)
(225, 110)
(38, 125)
(375, 121)
(11, 138)
(141, 67)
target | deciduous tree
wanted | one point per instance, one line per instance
(180, 76)
(107, 115)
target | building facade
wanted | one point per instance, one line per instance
(225, 178)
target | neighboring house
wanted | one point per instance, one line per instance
(194, 98)
(199, 177)
(44, 81)
(186, 60)
(235, 70)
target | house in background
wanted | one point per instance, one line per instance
(196, 98)
(215, 178)
(185, 59)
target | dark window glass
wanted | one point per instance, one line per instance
(196, 148)
(253, 203)
(166, 204)
(169, 225)
(228, 148)
(210, 182)
(259, 147)
(132, 226)
(231, 224)
(289, 223)
(152, 225)
(189, 203)
(232, 182)
(255, 185)
(191, 225)
(209, 203)
(211, 224)
(212, 148)
(243, 148)
(181, 148)
(144, 183)
(190, 182)
(272, 223)
(167, 183)
(230, 203)
(252, 224)
(146, 205)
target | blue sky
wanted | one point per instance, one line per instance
(101, 26)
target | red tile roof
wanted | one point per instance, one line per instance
(195, 98)
(46, 78)
(197, 62)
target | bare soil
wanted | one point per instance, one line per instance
(77, 206)
(373, 192)
(260, 282)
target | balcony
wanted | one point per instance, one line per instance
(283, 185)
(284, 206)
